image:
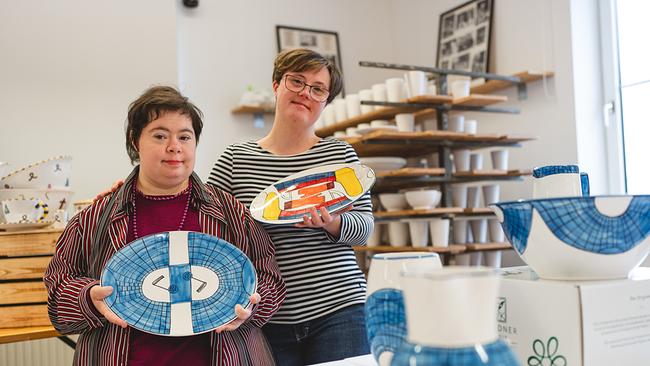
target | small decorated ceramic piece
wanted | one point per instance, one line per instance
(579, 238)
(385, 314)
(333, 186)
(559, 181)
(445, 325)
(50, 173)
(21, 211)
(56, 199)
(178, 283)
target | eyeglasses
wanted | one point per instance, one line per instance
(296, 85)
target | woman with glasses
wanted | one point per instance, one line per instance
(322, 318)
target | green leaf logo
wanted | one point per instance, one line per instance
(545, 355)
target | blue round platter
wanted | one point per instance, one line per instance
(178, 283)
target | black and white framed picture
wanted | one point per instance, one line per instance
(324, 42)
(464, 37)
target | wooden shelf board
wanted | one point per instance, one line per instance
(24, 243)
(9, 335)
(493, 173)
(412, 172)
(440, 211)
(384, 113)
(451, 249)
(480, 100)
(477, 247)
(248, 109)
(494, 85)
(434, 99)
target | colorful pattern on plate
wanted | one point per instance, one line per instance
(178, 283)
(332, 186)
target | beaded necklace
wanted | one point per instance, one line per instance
(187, 191)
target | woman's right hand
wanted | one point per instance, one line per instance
(115, 187)
(97, 295)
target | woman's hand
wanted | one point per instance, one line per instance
(115, 187)
(97, 295)
(328, 222)
(242, 315)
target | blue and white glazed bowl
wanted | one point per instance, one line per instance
(579, 238)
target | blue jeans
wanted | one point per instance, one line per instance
(332, 337)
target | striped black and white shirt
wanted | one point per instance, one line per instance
(320, 271)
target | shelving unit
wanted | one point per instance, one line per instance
(440, 142)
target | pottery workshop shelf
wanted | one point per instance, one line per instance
(251, 109)
(491, 86)
(406, 144)
(381, 216)
(24, 256)
(419, 177)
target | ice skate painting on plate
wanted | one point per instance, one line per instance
(333, 186)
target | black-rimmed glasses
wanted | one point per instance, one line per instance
(296, 85)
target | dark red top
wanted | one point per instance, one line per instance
(154, 216)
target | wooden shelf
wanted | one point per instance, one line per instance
(381, 216)
(8, 335)
(493, 85)
(252, 109)
(411, 172)
(451, 249)
(408, 144)
(474, 100)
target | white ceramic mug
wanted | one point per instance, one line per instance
(367, 95)
(405, 122)
(456, 123)
(416, 83)
(353, 105)
(439, 230)
(395, 89)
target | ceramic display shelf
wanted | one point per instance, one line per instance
(178, 283)
(333, 186)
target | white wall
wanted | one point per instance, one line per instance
(226, 45)
(69, 70)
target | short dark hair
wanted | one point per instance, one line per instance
(152, 104)
(302, 59)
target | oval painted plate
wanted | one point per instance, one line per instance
(178, 283)
(331, 186)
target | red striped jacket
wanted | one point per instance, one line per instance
(78, 263)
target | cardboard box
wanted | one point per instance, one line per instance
(575, 323)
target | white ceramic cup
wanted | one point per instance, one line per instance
(405, 122)
(499, 159)
(476, 162)
(432, 89)
(366, 94)
(456, 123)
(353, 105)
(398, 233)
(379, 123)
(339, 134)
(492, 258)
(361, 126)
(329, 115)
(459, 195)
(379, 94)
(375, 237)
(459, 86)
(439, 231)
(496, 232)
(479, 230)
(340, 109)
(351, 132)
(471, 126)
(460, 231)
(461, 160)
(462, 259)
(416, 83)
(473, 197)
(491, 193)
(395, 89)
(419, 231)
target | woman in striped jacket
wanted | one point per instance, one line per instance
(161, 194)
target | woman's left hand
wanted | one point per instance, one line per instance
(242, 315)
(329, 222)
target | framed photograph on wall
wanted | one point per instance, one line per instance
(324, 42)
(464, 36)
